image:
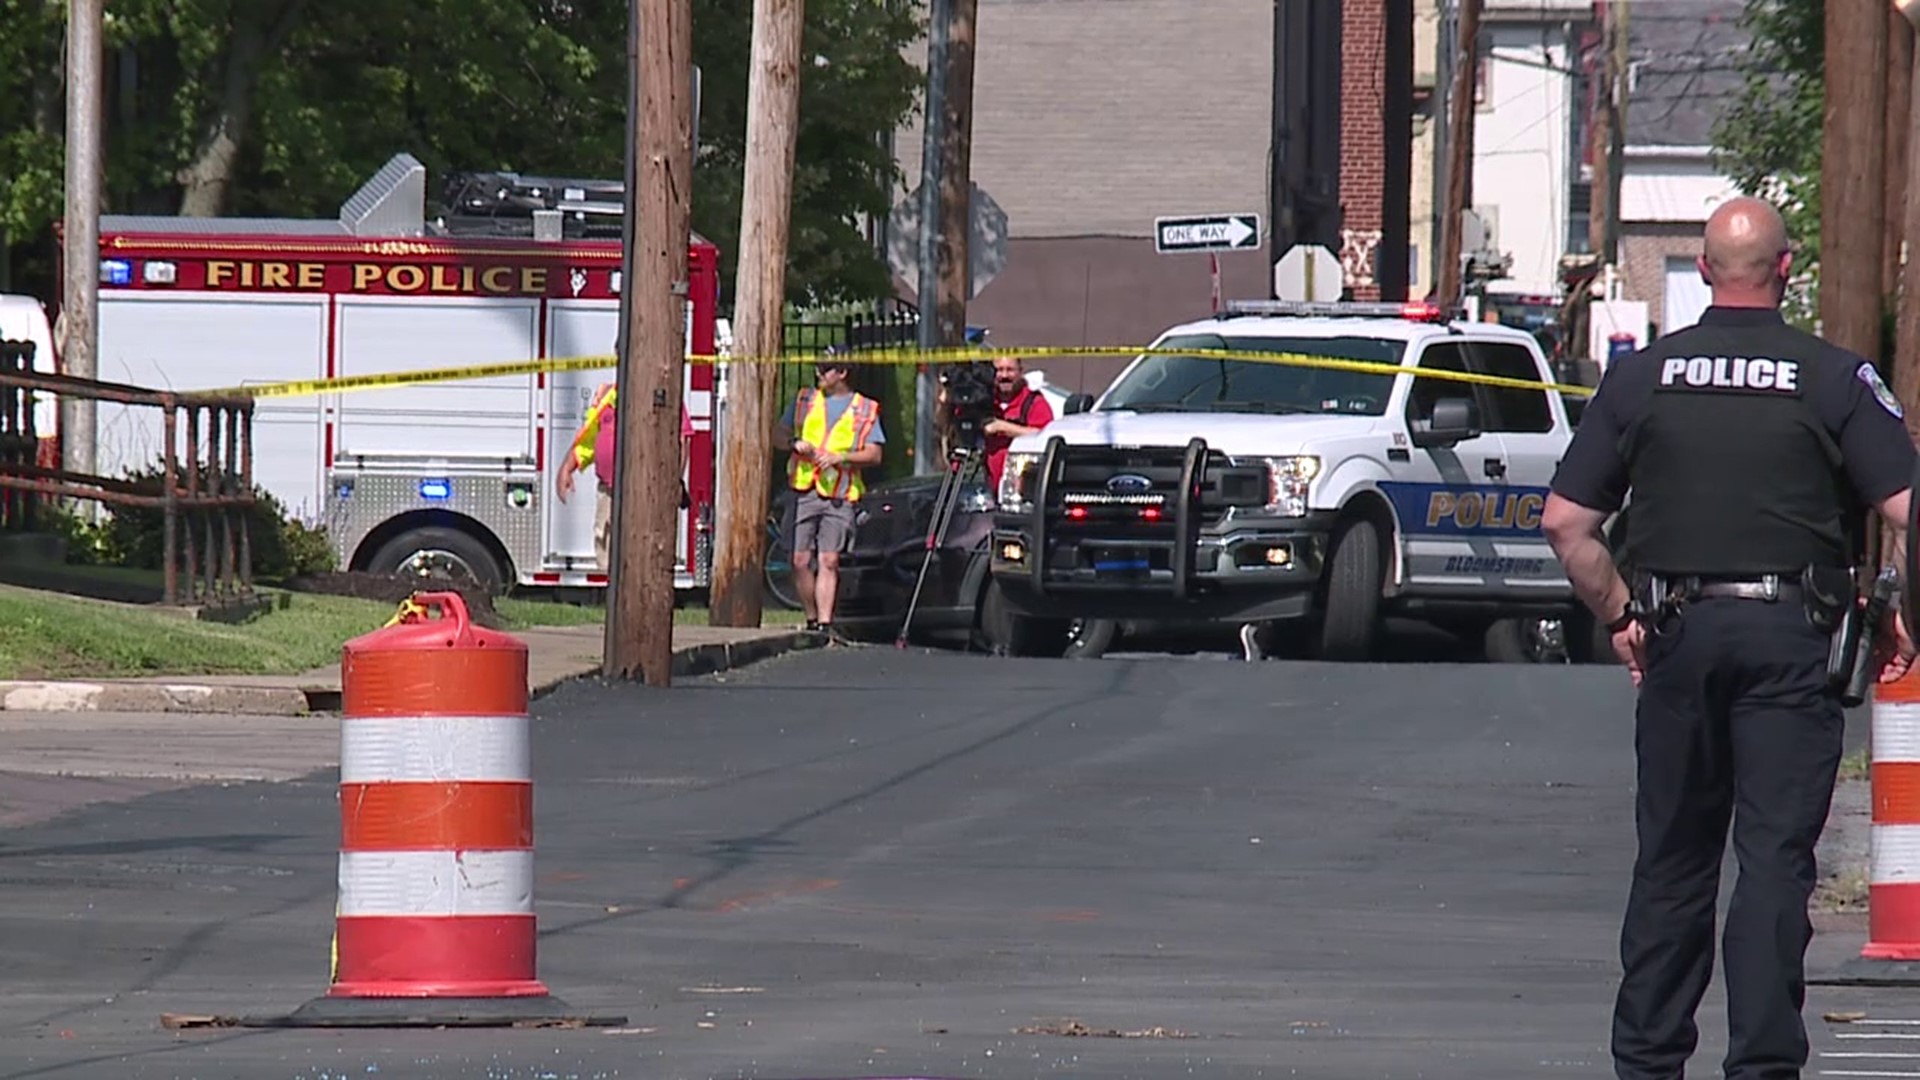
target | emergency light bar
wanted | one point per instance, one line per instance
(1417, 312)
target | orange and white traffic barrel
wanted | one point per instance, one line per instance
(1893, 885)
(434, 924)
(436, 811)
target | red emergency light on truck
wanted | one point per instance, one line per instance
(451, 478)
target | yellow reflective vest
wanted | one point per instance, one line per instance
(848, 435)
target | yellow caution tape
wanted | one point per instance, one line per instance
(858, 357)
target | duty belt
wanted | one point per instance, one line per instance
(1824, 593)
(1768, 587)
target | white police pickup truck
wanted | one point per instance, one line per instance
(1311, 497)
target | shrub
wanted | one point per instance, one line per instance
(86, 541)
(282, 548)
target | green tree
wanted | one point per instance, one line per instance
(31, 116)
(283, 107)
(1769, 140)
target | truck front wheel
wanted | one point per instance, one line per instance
(1089, 639)
(436, 553)
(1350, 622)
(1000, 629)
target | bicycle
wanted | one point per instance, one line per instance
(779, 565)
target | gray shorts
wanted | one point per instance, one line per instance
(815, 523)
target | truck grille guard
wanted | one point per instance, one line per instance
(1185, 523)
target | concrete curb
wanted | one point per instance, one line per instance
(18, 696)
(696, 660)
(701, 660)
(186, 697)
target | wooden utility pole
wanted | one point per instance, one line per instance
(646, 481)
(80, 295)
(946, 204)
(954, 288)
(1459, 152)
(1852, 175)
(760, 285)
(1610, 138)
(1897, 128)
(1906, 333)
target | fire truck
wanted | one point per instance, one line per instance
(438, 479)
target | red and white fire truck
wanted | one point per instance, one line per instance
(449, 479)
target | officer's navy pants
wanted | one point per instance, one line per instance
(1734, 720)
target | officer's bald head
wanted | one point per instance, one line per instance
(1747, 253)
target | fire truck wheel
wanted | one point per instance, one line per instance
(436, 553)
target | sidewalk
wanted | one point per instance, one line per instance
(555, 655)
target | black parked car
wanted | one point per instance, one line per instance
(958, 604)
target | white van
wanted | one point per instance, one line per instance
(22, 318)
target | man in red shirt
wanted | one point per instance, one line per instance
(1023, 411)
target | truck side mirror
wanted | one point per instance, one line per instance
(1455, 419)
(1078, 403)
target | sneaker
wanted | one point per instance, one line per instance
(834, 636)
(1250, 642)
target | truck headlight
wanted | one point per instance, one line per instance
(1288, 479)
(1013, 478)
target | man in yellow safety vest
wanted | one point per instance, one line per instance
(831, 434)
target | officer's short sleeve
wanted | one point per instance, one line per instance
(1593, 473)
(1870, 427)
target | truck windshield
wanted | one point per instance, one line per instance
(1166, 383)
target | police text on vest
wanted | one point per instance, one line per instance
(1731, 372)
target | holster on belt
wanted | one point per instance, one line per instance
(1851, 673)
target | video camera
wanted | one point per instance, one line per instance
(970, 400)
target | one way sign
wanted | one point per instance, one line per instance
(1216, 232)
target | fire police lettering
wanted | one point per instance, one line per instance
(227, 274)
(1731, 373)
(412, 278)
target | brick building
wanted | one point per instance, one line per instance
(1375, 171)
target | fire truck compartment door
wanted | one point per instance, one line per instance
(583, 328)
(471, 419)
(205, 341)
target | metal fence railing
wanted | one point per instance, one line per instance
(890, 326)
(203, 490)
(19, 442)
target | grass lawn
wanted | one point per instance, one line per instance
(49, 636)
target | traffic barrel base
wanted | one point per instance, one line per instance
(434, 926)
(1891, 956)
(328, 1011)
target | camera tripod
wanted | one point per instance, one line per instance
(962, 463)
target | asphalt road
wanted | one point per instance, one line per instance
(870, 863)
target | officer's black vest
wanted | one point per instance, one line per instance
(1731, 469)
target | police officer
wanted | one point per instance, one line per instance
(1749, 449)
